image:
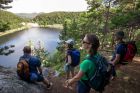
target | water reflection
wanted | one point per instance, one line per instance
(7, 50)
(18, 40)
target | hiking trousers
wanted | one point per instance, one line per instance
(82, 88)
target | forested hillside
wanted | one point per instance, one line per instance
(27, 15)
(55, 17)
(105, 17)
(9, 21)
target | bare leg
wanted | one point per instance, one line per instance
(72, 72)
(46, 81)
(68, 75)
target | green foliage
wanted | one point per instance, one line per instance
(126, 19)
(103, 18)
(138, 47)
(4, 26)
(57, 61)
(58, 57)
(70, 30)
(9, 21)
(43, 55)
(55, 17)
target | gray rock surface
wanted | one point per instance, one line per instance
(9, 83)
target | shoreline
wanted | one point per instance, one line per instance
(12, 31)
(55, 26)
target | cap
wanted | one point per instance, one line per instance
(70, 41)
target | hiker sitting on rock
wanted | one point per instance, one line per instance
(29, 68)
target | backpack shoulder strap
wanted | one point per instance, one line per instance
(94, 59)
(68, 52)
(27, 59)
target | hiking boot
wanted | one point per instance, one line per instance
(49, 86)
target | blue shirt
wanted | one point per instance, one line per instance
(121, 50)
(33, 61)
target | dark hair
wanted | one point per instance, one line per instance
(93, 39)
(70, 46)
(120, 34)
(27, 49)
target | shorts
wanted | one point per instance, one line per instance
(68, 68)
(36, 77)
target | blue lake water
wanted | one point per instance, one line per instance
(48, 38)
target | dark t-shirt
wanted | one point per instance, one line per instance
(121, 50)
(33, 61)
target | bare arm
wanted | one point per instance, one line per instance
(40, 70)
(75, 78)
(69, 59)
(116, 60)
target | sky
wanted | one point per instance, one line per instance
(36, 6)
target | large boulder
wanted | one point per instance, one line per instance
(9, 83)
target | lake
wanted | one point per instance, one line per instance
(48, 38)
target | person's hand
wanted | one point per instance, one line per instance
(112, 63)
(67, 64)
(68, 82)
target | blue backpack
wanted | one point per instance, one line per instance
(75, 55)
(102, 74)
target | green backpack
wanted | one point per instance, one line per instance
(102, 74)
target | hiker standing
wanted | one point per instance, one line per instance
(119, 52)
(35, 70)
(90, 44)
(72, 58)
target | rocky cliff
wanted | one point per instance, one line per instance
(9, 83)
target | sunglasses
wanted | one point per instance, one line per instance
(84, 42)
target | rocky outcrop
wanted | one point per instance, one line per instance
(9, 83)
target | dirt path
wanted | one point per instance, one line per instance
(128, 81)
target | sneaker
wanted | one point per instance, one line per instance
(113, 78)
(49, 86)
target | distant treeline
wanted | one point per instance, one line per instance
(9, 21)
(55, 17)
